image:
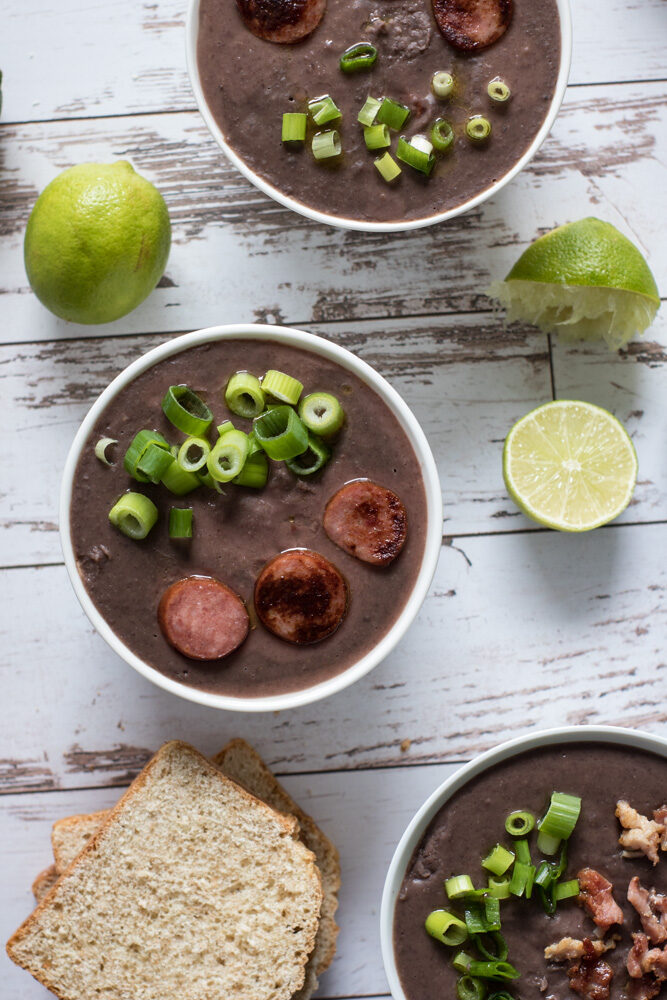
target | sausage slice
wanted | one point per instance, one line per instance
(368, 521)
(472, 24)
(300, 596)
(202, 618)
(282, 21)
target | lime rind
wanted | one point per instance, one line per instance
(570, 466)
(576, 312)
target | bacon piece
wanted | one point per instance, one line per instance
(644, 961)
(652, 909)
(640, 833)
(591, 976)
(282, 21)
(660, 816)
(472, 24)
(596, 896)
(568, 948)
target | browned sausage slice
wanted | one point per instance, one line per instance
(368, 521)
(300, 596)
(472, 24)
(282, 20)
(202, 618)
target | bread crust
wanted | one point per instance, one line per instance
(289, 824)
(44, 881)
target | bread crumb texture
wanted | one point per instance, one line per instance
(193, 889)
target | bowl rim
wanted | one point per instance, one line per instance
(442, 794)
(340, 222)
(432, 541)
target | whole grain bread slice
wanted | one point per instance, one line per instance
(192, 888)
(70, 835)
(44, 882)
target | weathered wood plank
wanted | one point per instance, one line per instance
(364, 813)
(520, 631)
(102, 59)
(466, 379)
(237, 255)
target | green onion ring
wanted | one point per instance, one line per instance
(468, 988)
(519, 823)
(294, 127)
(498, 860)
(255, 472)
(500, 944)
(499, 887)
(154, 462)
(101, 450)
(323, 110)
(461, 961)
(180, 522)
(392, 113)
(244, 396)
(326, 145)
(445, 927)
(377, 137)
(179, 482)
(280, 433)
(184, 409)
(498, 90)
(134, 515)
(458, 885)
(416, 158)
(478, 128)
(138, 446)
(358, 57)
(442, 84)
(561, 816)
(497, 970)
(312, 460)
(193, 453)
(566, 890)
(228, 456)
(442, 135)
(282, 387)
(387, 167)
(370, 109)
(322, 413)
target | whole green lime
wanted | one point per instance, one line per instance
(97, 242)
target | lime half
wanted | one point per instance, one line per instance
(570, 465)
(585, 281)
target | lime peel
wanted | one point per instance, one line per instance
(570, 465)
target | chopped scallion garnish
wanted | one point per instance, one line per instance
(134, 515)
(101, 450)
(377, 137)
(392, 113)
(493, 970)
(193, 453)
(228, 456)
(255, 472)
(461, 961)
(566, 890)
(135, 452)
(523, 877)
(280, 433)
(445, 927)
(282, 387)
(415, 157)
(312, 460)
(153, 463)
(370, 109)
(478, 128)
(499, 887)
(492, 946)
(323, 110)
(458, 885)
(179, 482)
(322, 413)
(442, 84)
(180, 522)
(522, 850)
(358, 57)
(244, 396)
(498, 860)
(442, 135)
(387, 167)
(326, 145)
(475, 918)
(519, 823)
(498, 90)
(468, 988)
(561, 817)
(184, 409)
(294, 127)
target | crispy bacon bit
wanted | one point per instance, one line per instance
(591, 976)
(640, 833)
(472, 24)
(596, 896)
(652, 909)
(568, 948)
(660, 816)
(643, 961)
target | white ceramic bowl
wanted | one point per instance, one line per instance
(433, 540)
(417, 827)
(192, 27)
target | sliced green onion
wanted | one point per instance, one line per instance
(225, 426)
(228, 456)
(179, 482)
(314, 458)
(184, 409)
(326, 145)
(492, 913)
(253, 444)
(442, 84)
(547, 844)
(442, 135)
(478, 128)
(519, 823)
(501, 995)
(323, 110)
(322, 413)
(445, 927)
(498, 90)
(523, 877)
(101, 450)
(154, 462)
(545, 874)
(294, 127)
(134, 515)
(499, 887)
(562, 861)
(566, 890)
(522, 849)
(392, 113)
(207, 480)
(193, 453)
(498, 860)
(499, 950)
(475, 919)
(468, 988)
(387, 167)
(561, 816)
(458, 885)
(415, 157)
(493, 970)
(255, 472)
(244, 396)
(281, 434)
(370, 109)
(282, 387)
(180, 522)
(135, 452)
(461, 961)
(377, 137)
(358, 57)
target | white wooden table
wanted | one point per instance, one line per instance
(522, 629)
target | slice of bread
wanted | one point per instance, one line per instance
(70, 835)
(192, 888)
(44, 881)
